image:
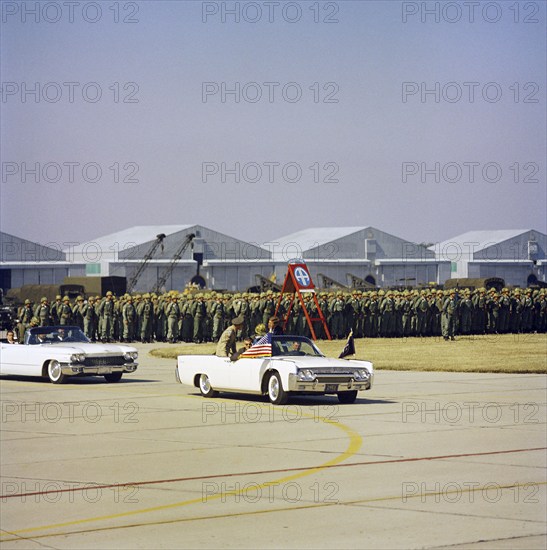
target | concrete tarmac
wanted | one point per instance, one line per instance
(423, 460)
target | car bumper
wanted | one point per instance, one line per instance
(72, 369)
(326, 384)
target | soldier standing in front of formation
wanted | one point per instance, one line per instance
(172, 312)
(450, 310)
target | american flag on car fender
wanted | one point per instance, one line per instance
(263, 348)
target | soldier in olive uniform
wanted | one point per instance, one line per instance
(25, 316)
(54, 310)
(336, 310)
(421, 306)
(199, 311)
(90, 318)
(387, 310)
(526, 311)
(505, 311)
(65, 312)
(406, 314)
(173, 314)
(373, 325)
(449, 313)
(493, 312)
(267, 307)
(146, 314)
(129, 318)
(218, 314)
(77, 318)
(42, 313)
(466, 313)
(106, 317)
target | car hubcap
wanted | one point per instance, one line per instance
(55, 370)
(274, 387)
(205, 385)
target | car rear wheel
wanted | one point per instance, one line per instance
(113, 376)
(276, 393)
(347, 397)
(205, 386)
(55, 373)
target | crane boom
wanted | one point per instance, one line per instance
(149, 255)
(178, 254)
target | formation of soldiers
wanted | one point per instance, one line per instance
(202, 316)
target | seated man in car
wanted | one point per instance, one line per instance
(247, 343)
(296, 348)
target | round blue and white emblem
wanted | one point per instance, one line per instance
(302, 276)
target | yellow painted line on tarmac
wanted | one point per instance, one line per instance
(355, 442)
(400, 497)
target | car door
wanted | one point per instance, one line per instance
(246, 374)
(19, 359)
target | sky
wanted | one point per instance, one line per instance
(259, 119)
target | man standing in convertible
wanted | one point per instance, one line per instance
(226, 346)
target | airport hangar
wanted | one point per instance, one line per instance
(333, 254)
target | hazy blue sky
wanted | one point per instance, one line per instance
(358, 133)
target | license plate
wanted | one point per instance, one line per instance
(104, 370)
(331, 387)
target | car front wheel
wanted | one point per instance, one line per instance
(347, 397)
(205, 386)
(113, 376)
(276, 393)
(55, 373)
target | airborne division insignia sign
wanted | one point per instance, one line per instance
(298, 281)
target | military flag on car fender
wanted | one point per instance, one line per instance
(349, 348)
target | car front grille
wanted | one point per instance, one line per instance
(110, 361)
(334, 379)
(333, 370)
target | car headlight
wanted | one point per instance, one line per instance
(130, 355)
(77, 357)
(362, 374)
(306, 375)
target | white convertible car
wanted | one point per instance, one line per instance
(284, 366)
(61, 351)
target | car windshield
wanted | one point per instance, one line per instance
(54, 335)
(296, 346)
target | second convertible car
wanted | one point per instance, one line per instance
(59, 352)
(277, 366)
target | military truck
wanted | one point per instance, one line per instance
(482, 282)
(71, 287)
